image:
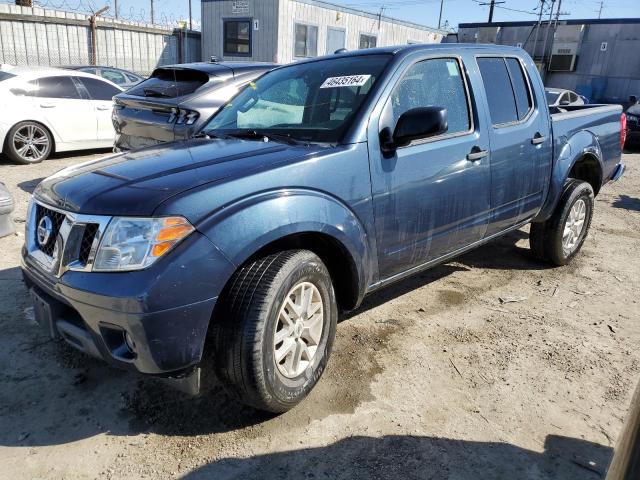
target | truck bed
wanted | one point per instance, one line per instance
(601, 121)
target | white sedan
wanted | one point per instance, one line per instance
(46, 110)
(558, 97)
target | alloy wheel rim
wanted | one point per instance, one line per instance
(298, 330)
(574, 226)
(31, 142)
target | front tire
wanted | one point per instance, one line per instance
(28, 142)
(561, 237)
(275, 329)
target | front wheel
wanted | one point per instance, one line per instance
(275, 329)
(561, 237)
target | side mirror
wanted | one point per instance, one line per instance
(415, 124)
(20, 92)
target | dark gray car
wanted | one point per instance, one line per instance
(177, 100)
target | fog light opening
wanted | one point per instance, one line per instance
(129, 342)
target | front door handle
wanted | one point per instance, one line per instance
(477, 154)
(538, 139)
(102, 108)
(47, 105)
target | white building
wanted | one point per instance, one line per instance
(287, 30)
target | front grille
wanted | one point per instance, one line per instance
(57, 219)
(89, 235)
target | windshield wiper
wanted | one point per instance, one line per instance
(258, 135)
(208, 134)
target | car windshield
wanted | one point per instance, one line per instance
(310, 102)
(5, 76)
(552, 97)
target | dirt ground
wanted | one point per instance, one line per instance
(433, 377)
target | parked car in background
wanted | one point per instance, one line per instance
(563, 98)
(120, 77)
(322, 182)
(176, 100)
(633, 122)
(47, 110)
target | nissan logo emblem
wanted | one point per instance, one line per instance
(45, 231)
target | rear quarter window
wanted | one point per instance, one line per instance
(170, 83)
(99, 90)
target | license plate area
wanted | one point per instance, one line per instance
(43, 312)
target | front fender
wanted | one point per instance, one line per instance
(570, 151)
(241, 229)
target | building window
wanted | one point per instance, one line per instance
(306, 40)
(368, 41)
(237, 37)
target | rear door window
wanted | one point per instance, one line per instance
(99, 90)
(170, 83)
(497, 85)
(57, 87)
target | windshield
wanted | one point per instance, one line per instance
(5, 76)
(311, 102)
(552, 97)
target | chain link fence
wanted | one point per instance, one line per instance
(41, 37)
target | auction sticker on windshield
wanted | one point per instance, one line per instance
(348, 81)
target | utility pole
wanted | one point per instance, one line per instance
(600, 11)
(153, 13)
(492, 5)
(546, 35)
(115, 4)
(190, 17)
(440, 16)
(535, 42)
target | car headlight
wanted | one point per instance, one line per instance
(131, 243)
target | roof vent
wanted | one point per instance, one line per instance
(214, 59)
(340, 50)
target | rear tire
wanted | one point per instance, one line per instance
(561, 237)
(280, 304)
(28, 143)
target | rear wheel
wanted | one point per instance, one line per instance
(275, 329)
(28, 142)
(561, 237)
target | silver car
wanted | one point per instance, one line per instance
(123, 78)
(177, 100)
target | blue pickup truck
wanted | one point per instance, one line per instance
(321, 182)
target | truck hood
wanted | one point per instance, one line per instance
(136, 183)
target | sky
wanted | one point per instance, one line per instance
(419, 11)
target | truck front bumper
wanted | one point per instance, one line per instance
(130, 319)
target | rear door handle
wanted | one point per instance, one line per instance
(538, 139)
(477, 154)
(47, 105)
(102, 108)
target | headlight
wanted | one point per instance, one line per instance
(131, 243)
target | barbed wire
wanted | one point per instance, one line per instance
(88, 7)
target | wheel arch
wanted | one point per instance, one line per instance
(579, 157)
(272, 221)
